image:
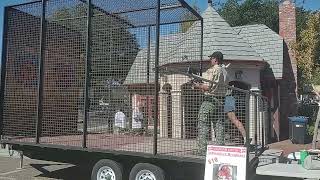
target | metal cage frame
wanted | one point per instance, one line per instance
(159, 7)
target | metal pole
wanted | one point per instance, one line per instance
(148, 77)
(156, 82)
(41, 71)
(201, 48)
(148, 55)
(21, 159)
(3, 64)
(256, 104)
(87, 73)
(262, 123)
(269, 128)
(316, 129)
(264, 118)
(247, 103)
(187, 6)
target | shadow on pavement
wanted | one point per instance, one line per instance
(274, 178)
(69, 173)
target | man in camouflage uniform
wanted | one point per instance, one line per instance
(211, 110)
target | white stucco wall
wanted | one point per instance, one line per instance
(250, 76)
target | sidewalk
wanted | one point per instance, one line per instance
(288, 147)
(5, 153)
(40, 170)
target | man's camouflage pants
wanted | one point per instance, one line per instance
(210, 112)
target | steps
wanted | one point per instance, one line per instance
(270, 156)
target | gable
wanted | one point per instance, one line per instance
(267, 43)
(220, 36)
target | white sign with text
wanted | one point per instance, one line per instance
(225, 163)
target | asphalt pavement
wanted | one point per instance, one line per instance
(38, 170)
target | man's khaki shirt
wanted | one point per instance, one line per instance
(218, 75)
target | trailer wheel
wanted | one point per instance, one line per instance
(106, 169)
(146, 171)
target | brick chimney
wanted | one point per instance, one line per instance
(287, 29)
(288, 85)
(287, 20)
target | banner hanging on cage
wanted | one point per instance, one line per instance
(225, 163)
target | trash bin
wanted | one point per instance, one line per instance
(298, 129)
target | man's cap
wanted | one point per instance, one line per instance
(217, 55)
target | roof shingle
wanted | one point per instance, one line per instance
(267, 43)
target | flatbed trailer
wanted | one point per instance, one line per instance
(69, 66)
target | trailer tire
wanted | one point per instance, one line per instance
(107, 168)
(143, 170)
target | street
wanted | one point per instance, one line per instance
(39, 170)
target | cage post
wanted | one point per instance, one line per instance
(41, 70)
(148, 76)
(256, 104)
(269, 128)
(247, 103)
(194, 12)
(3, 64)
(156, 64)
(201, 48)
(148, 55)
(87, 73)
(263, 122)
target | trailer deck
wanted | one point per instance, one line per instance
(127, 143)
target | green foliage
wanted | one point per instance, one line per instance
(307, 52)
(238, 13)
(316, 76)
(230, 12)
(310, 130)
(301, 20)
(184, 26)
(309, 110)
(114, 49)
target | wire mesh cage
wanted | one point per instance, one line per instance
(115, 75)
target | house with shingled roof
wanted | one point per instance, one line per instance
(259, 58)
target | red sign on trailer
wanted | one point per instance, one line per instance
(225, 163)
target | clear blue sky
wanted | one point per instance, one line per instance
(309, 4)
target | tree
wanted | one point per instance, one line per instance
(301, 19)
(307, 51)
(114, 49)
(230, 12)
(184, 26)
(238, 13)
(114, 46)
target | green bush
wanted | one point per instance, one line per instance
(309, 110)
